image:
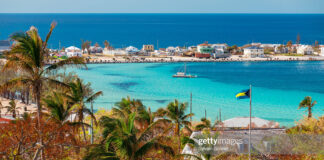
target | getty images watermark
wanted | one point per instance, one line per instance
(217, 141)
(216, 145)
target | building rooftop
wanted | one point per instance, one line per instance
(242, 122)
(254, 47)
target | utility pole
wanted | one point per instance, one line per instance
(250, 122)
(205, 114)
(220, 114)
(191, 106)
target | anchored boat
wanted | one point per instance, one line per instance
(184, 74)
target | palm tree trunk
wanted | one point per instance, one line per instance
(37, 91)
(309, 112)
(84, 133)
(179, 138)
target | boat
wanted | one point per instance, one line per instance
(184, 74)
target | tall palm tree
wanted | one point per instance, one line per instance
(176, 112)
(12, 108)
(28, 55)
(78, 96)
(128, 143)
(307, 103)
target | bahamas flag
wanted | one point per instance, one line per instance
(243, 94)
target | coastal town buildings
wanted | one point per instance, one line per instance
(148, 48)
(253, 51)
(4, 46)
(73, 51)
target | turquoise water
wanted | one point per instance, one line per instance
(278, 87)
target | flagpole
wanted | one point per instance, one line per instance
(250, 122)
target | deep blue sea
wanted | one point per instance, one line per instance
(169, 29)
(277, 87)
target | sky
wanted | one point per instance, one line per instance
(161, 6)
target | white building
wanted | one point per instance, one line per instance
(94, 49)
(244, 122)
(4, 46)
(131, 50)
(253, 51)
(322, 51)
(180, 49)
(281, 49)
(115, 52)
(171, 49)
(73, 51)
(305, 50)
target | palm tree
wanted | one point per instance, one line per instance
(121, 135)
(175, 111)
(59, 109)
(307, 103)
(127, 106)
(77, 97)
(12, 108)
(28, 55)
(1, 106)
(205, 123)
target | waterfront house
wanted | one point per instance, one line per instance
(281, 49)
(205, 48)
(131, 50)
(171, 50)
(148, 48)
(4, 46)
(73, 51)
(192, 48)
(253, 51)
(305, 50)
(223, 46)
(96, 49)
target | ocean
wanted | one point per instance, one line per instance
(277, 87)
(164, 30)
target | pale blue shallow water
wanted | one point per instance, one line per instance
(278, 87)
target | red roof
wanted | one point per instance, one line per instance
(204, 44)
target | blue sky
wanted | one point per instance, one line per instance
(162, 6)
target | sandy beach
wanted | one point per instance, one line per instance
(171, 59)
(31, 108)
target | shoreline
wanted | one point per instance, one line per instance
(175, 59)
